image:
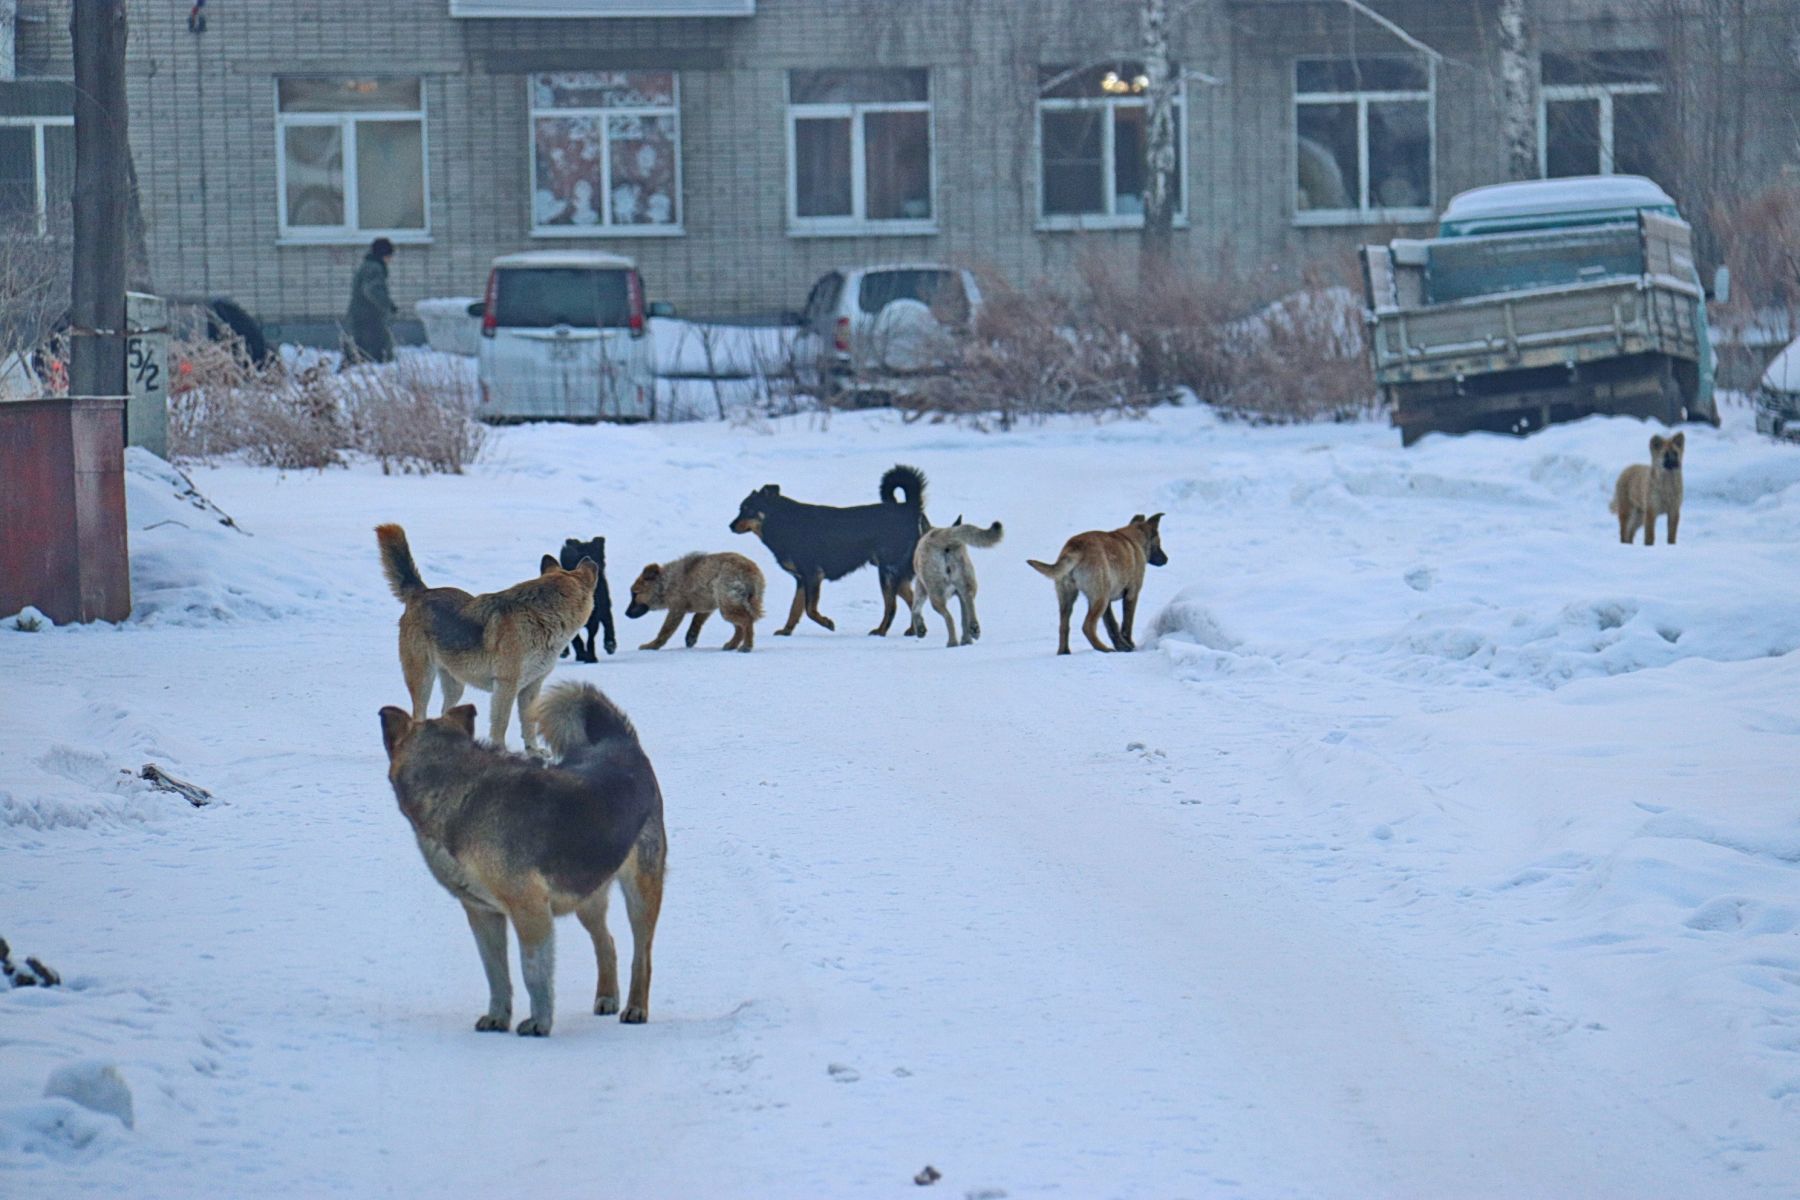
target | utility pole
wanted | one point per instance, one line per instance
(97, 292)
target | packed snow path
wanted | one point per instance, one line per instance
(1440, 847)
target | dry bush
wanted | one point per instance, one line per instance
(409, 416)
(1114, 341)
(1759, 238)
(34, 285)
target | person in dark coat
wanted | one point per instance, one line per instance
(371, 308)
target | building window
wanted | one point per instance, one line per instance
(1362, 140)
(37, 174)
(1091, 129)
(352, 158)
(605, 153)
(1601, 114)
(859, 151)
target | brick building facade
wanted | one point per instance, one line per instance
(738, 156)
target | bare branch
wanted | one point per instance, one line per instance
(1394, 29)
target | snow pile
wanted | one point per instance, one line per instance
(192, 564)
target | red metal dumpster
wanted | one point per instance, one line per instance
(62, 509)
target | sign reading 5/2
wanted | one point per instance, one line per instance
(143, 364)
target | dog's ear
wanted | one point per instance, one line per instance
(572, 543)
(1154, 521)
(462, 718)
(600, 546)
(1656, 443)
(548, 564)
(652, 571)
(958, 520)
(771, 489)
(587, 566)
(1137, 518)
(1679, 441)
(396, 724)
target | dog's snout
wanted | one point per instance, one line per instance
(636, 608)
(1159, 559)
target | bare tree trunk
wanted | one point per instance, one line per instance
(1160, 182)
(97, 293)
(1518, 96)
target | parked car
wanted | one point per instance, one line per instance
(1539, 302)
(1778, 398)
(564, 337)
(866, 331)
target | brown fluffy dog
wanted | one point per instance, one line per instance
(1105, 566)
(514, 839)
(501, 642)
(701, 584)
(1643, 492)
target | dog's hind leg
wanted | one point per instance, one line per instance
(489, 928)
(965, 597)
(812, 603)
(693, 633)
(1128, 616)
(916, 627)
(452, 688)
(415, 665)
(941, 602)
(794, 612)
(1065, 607)
(889, 604)
(527, 701)
(1089, 625)
(529, 908)
(908, 591)
(1649, 527)
(592, 915)
(643, 886)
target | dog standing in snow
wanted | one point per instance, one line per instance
(942, 569)
(1104, 565)
(1644, 492)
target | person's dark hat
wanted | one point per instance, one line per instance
(380, 248)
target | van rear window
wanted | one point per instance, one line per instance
(941, 291)
(544, 297)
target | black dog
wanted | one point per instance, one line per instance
(815, 542)
(572, 553)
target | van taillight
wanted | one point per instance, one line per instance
(490, 308)
(842, 339)
(636, 288)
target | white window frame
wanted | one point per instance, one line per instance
(857, 224)
(41, 186)
(606, 228)
(1603, 92)
(1364, 214)
(349, 233)
(1109, 167)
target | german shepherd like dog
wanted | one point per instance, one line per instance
(815, 542)
(573, 551)
(501, 642)
(941, 563)
(1642, 491)
(516, 840)
(701, 584)
(1105, 566)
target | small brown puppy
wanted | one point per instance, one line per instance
(1644, 492)
(1105, 566)
(502, 642)
(701, 584)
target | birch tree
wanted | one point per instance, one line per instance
(1161, 187)
(1518, 99)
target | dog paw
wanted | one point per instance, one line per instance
(634, 1015)
(605, 1006)
(784, 633)
(534, 1027)
(565, 654)
(489, 1023)
(649, 646)
(610, 646)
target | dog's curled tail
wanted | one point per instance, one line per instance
(397, 562)
(909, 482)
(574, 716)
(1056, 570)
(975, 535)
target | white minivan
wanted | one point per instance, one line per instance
(564, 337)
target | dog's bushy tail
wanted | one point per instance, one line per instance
(909, 482)
(397, 562)
(575, 716)
(975, 535)
(1056, 570)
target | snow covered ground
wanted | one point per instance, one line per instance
(1438, 846)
